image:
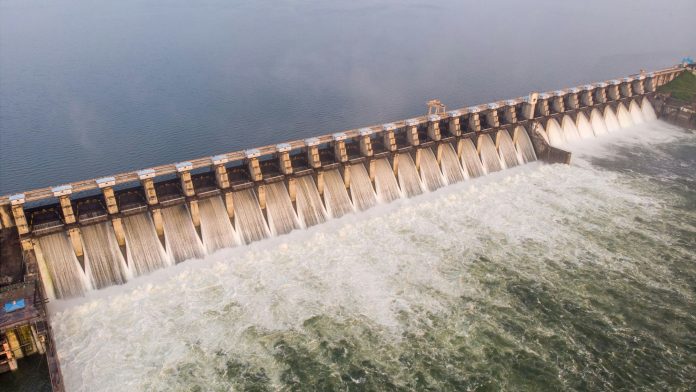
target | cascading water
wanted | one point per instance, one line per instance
(430, 172)
(506, 149)
(539, 129)
(385, 182)
(540, 275)
(597, 121)
(524, 145)
(624, 116)
(555, 133)
(144, 250)
(282, 218)
(648, 110)
(361, 190)
(180, 234)
(335, 195)
(451, 167)
(489, 155)
(635, 112)
(409, 180)
(248, 218)
(67, 276)
(310, 209)
(584, 127)
(104, 262)
(216, 228)
(470, 159)
(570, 131)
(610, 119)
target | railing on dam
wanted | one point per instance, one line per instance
(186, 182)
(659, 77)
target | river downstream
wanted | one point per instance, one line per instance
(541, 277)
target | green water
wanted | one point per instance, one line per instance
(539, 278)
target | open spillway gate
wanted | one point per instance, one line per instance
(95, 233)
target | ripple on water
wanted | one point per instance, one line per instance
(542, 277)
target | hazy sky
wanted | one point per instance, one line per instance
(92, 87)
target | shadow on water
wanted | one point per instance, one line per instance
(30, 376)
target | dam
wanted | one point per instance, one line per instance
(92, 234)
(95, 233)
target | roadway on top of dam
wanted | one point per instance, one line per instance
(132, 176)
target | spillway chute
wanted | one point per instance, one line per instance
(409, 180)
(570, 131)
(361, 190)
(506, 149)
(597, 121)
(281, 215)
(624, 117)
(430, 172)
(490, 160)
(216, 228)
(248, 217)
(386, 185)
(584, 127)
(470, 158)
(310, 209)
(555, 133)
(144, 249)
(104, 263)
(610, 119)
(635, 112)
(180, 235)
(336, 196)
(67, 275)
(648, 110)
(524, 145)
(449, 163)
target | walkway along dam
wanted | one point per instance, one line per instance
(61, 242)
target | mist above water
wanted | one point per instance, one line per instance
(540, 276)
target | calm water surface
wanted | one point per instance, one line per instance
(90, 88)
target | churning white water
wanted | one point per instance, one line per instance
(216, 228)
(361, 190)
(430, 172)
(144, 250)
(521, 262)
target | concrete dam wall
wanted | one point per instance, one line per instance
(102, 232)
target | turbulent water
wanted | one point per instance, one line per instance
(541, 277)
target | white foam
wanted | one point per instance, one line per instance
(410, 254)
